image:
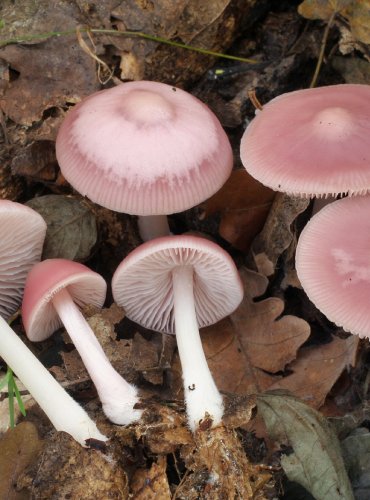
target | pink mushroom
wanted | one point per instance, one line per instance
(144, 148)
(22, 233)
(312, 142)
(54, 290)
(177, 284)
(333, 266)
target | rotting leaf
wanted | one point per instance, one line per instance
(71, 232)
(322, 9)
(244, 204)
(36, 161)
(316, 462)
(19, 447)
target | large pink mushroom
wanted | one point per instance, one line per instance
(176, 285)
(54, 291)
(144, 148)
(333, 264)
(22, 233)
(312, 142)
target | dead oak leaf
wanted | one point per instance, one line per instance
(317, 369)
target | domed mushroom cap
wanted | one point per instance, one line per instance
(46, 279)
(333, 263)
(312, 142)
(142, 283)
(144, 148)
(22, 234)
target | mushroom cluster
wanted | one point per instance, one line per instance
(315, 142)
(22, 233)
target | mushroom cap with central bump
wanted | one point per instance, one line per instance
(333, 263)
(21, 240)
(312, 142)
(142, 283)
(44, 281)
(144, 148)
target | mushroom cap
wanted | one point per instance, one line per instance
(45, 280)
(333, 263)
(312, 142)
(142, 283)
(144, 148)
(22, 234)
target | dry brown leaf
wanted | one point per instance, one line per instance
(276, 235)
(244, 204)
(42, 82)
(318, 368)
(19, 447)
(151, 484)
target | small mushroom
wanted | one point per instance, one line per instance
(312, 142)
(144, 148)
(333, 266)
(22, 233)
(54, 291)
(177, 284)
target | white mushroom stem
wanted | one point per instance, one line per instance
(153, 226)
(201, 393)
(118, 397)
(63, 411)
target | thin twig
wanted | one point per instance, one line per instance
(322, 50)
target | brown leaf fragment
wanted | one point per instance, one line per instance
(151, 484)
(19, 447)
(317, 368)
(276, 235)
(270, 343)
(244, 204)
(66, 470)
(71, 226)
(36, 161)
(220, 468)
(322, 9)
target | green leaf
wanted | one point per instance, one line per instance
(316, 462)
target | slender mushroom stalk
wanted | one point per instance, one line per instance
(153, 226)
(52, 288)
(201, 393)
(118, 397)
(63, 411)
(178, 284)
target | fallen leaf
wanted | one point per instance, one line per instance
(42, 82)
(243, 204)
(316, 462)
(36, 161)
(322, 9)
(317, 368)
(276, 235)
(356, 455)
(19, 447)
(71, 232)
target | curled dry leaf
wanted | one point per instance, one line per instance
(316, 462)
(71, 232)
(276, 235)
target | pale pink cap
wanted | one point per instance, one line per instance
(22, 234)
(333, 264)
(312, 142)
(142, 283)
(144, 148)
(46, 279)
